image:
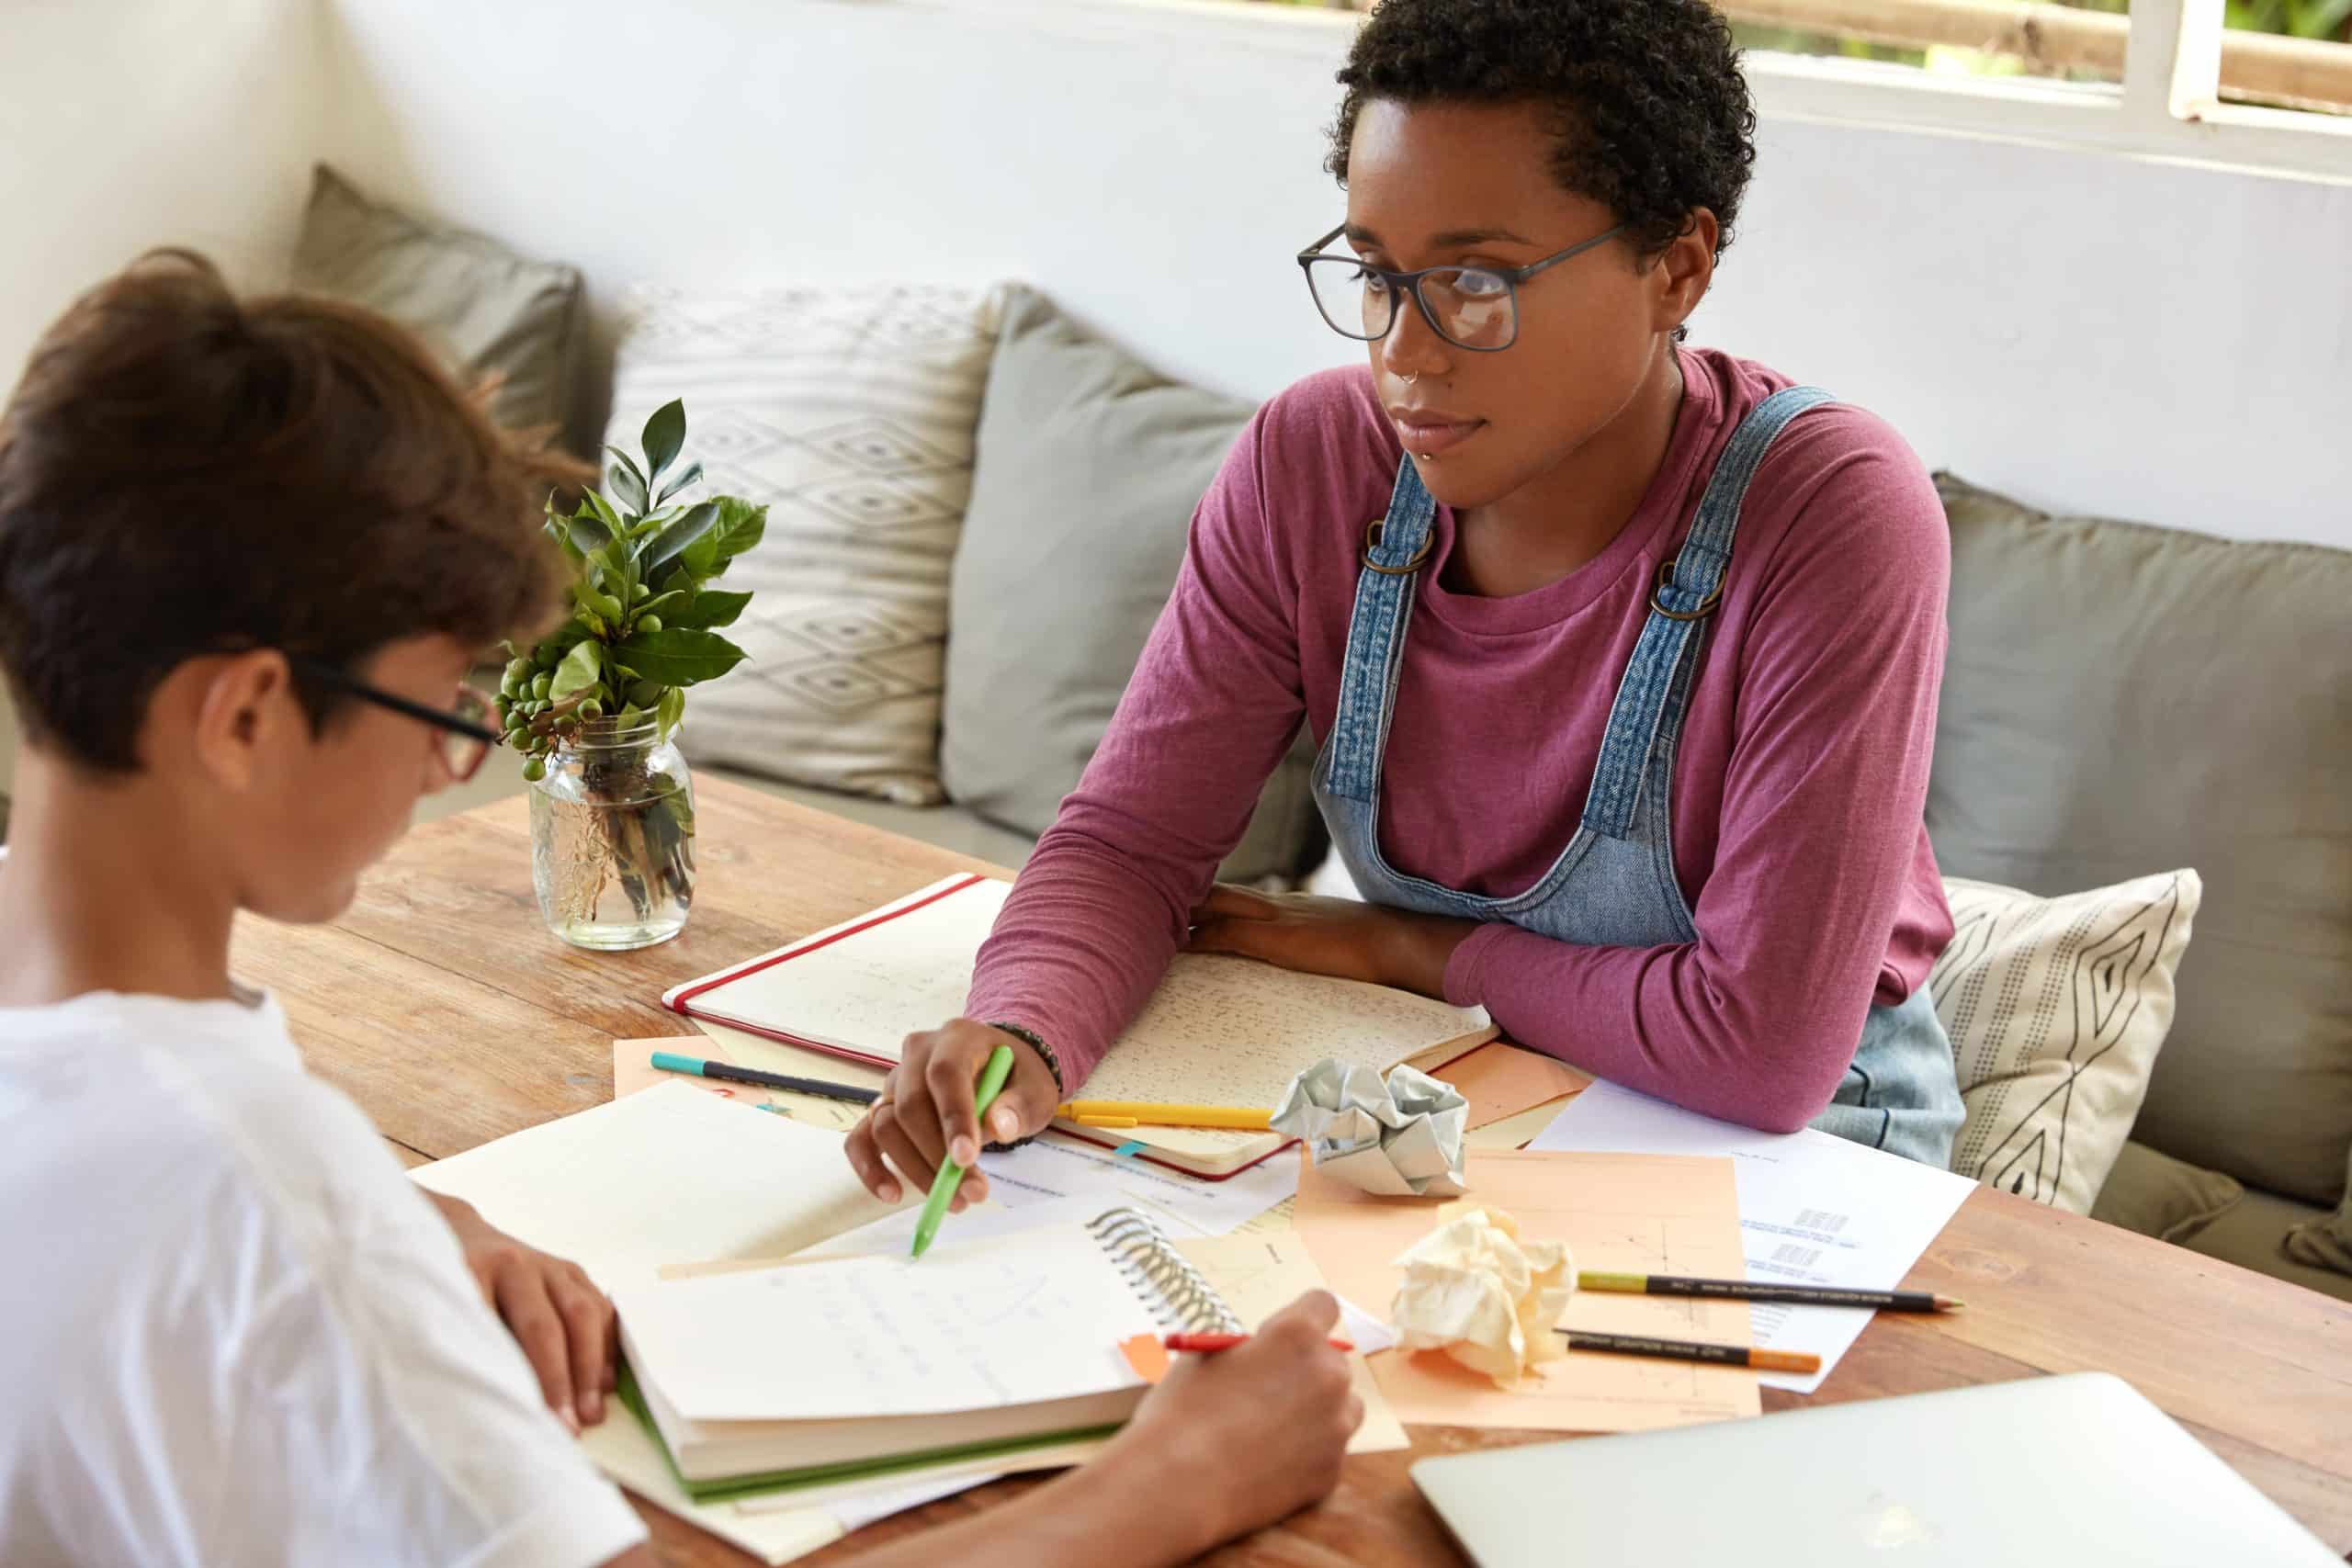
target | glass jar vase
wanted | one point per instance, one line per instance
(613, 837)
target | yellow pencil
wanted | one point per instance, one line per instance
(1129, 1113)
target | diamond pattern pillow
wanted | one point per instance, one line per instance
(849, 413)
(2056, 1008)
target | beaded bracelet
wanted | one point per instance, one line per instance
(1030, 1038)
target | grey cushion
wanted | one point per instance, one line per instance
(2157, 1195)
(2252, 1234)
(1089, 468)
(2118, 699)
(484, 309)
(2324, 1241)
(946, 826)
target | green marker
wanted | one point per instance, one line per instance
(951, 1174)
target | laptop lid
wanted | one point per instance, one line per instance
(2077, 1469)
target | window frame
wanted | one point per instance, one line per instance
(2167, 107)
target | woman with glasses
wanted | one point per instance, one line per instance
(1621, 655)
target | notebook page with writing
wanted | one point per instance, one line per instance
(1219, 1030)
(1010, 1320)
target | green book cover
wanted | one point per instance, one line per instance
(775, 1481)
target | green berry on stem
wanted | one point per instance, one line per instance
(533, 770)
(648, 623)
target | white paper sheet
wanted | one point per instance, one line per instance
(856, 1513)
(624, 1450)
(1053, 1167)
(1814, 1210)
(664, 1175)
(893, 1235)
(1004, 1320)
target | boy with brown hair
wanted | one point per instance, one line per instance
(248, 551)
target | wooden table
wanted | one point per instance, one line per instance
(440, 1003)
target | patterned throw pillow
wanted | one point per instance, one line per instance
(2056, 1008)
(848, 412)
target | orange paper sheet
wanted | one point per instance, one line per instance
(1501, 1081)
(1647, 1214)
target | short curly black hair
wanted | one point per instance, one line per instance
(1652, 115)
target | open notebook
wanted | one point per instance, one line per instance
(1218, 1030)
(864, 1364)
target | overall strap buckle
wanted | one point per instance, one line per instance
(1706, 607)
(1373, 532)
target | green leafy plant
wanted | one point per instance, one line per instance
(645, 620)
(644, 626)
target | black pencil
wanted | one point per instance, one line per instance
(671, 1061)
(1692, 1350)
(1750, 1291)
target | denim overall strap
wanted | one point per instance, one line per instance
(1679, 607)
(1376, 636)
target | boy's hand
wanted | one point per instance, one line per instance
(556, 1312)
(926, 1113)
(1255, 1433)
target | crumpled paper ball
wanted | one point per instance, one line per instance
(1474, 1289)
(1401, 1138)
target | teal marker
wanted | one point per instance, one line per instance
(951, 1174)
(671, 1061)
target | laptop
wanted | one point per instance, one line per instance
(2077, 1469)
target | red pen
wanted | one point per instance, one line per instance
(1208, 1344)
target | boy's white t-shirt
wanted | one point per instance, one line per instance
(233, 1330)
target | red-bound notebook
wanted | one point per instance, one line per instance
(1218, 1030)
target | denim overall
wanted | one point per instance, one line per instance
(1614, 885)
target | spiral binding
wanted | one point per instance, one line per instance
(1161, 1277)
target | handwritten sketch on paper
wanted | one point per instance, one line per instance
(1220, 1030)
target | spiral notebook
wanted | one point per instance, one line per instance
(799, 1374)
(1219, 1031)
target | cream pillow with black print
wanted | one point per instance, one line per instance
(848, 412)
(2056, 1008)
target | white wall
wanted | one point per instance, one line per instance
(126, 124)
(2085, 329)
(2081, 329)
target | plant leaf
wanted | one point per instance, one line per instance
(680, 656)
(580, 669)
(669, 711)
(683, 477)
(586, 535)
(626, 461)
(560, 530)
(630, 485)
(741, 525)
(674, 540)
(594, 501)
(711, 607)
(665, 433)
(619, 564)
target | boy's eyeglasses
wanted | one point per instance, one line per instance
(466, 729)
(1474, 308)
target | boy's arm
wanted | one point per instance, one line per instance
(562, 1322)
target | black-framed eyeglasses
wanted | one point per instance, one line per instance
(1474, 308)
(467, 732)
